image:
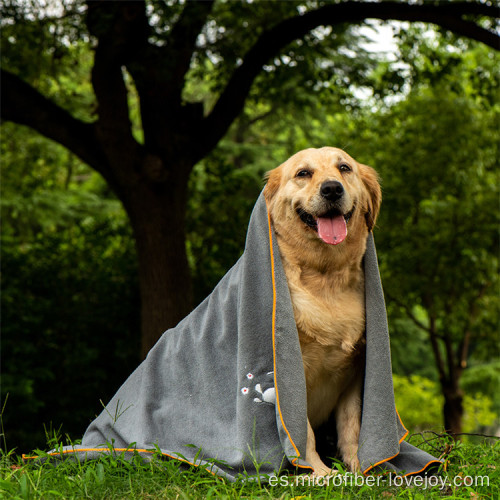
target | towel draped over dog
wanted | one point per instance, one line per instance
(225, 389)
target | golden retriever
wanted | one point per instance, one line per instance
(322, 204)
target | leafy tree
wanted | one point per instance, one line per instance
(438, 235)
(69, 292)
(159, 47)
(440, 223)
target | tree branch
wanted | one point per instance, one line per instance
(111, 93)
(159, 74)
(22, 104)
(448, 16)
(463, 347)
(433, 335)
(182, 40)
(453, 369)
(122, 31)
(119, 26)
(409, 313)
(437, 353)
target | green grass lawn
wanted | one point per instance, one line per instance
(470, 473)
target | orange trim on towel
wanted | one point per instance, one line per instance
(423, 468)
(294, 460)
(408, 473)
(404, 427)
(400, 441)
(380, 462)
(403, 438)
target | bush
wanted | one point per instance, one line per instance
(71, 328)
(420, 405)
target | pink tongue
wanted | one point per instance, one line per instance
(332, 231)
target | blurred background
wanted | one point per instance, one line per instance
(416, 102)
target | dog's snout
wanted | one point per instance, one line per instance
(332, 190)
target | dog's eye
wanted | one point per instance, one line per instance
(343, 167)
(303, 173)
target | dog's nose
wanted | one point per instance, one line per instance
(332, 190)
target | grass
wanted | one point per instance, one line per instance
(115, 478)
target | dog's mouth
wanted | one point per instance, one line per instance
(330, 226)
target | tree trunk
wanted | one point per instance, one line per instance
(453, 409)
(157, 214)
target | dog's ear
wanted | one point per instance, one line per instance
(273, 178)
(371, 182)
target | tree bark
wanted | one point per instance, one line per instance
(449, 375)
(157, 214)
(453, 409)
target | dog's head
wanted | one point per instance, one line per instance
(323, 194)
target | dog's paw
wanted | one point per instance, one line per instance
(350, 457)
(321, 476)
(354, 465)
(322, 471)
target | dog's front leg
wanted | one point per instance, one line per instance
(320, 469)
(348, 417)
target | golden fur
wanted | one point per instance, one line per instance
(326, 284)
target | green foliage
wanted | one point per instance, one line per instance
(410, 350)
(49, 48)
(111, 477)
(301, 71)
(484, 378)
(218, 216)
(420, 404)
(45, 188)
(69, 303)
(69, 291)
(438, 229)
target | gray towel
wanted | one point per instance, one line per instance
(225, 388)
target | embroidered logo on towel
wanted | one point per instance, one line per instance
(264, 388)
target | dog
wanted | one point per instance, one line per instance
(323, 204)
